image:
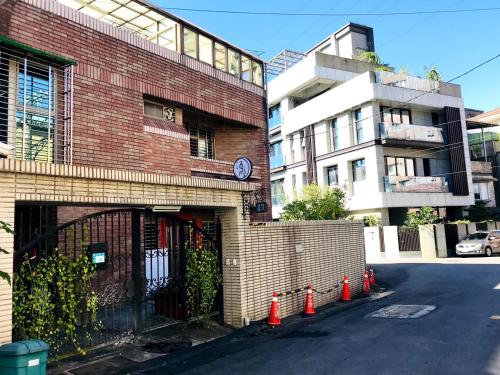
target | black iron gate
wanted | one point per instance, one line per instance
(140, 265)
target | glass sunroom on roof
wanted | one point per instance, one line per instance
(170, 32)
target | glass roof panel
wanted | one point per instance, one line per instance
(113, 20)
(143, 22)
(125, 13)
(105, 5)
(137, 7)
(154, 15)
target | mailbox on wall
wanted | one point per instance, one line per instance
(99, 255)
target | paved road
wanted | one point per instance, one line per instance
(461, 336)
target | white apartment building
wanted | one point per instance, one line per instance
(394, 142)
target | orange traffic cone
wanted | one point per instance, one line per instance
(372, 277)
(346, 293)
(274, 312)
(366, 285)
(309, 307)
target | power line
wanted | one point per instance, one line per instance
(266, 13)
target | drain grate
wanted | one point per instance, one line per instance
(402, 311)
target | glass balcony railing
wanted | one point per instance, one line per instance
(415, 184)
(277, 161)
(278, 199)
(410, 132)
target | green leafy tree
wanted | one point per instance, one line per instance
(433, 74)
(317, 204)
(478, 212)
(421, 217)
(6, 228)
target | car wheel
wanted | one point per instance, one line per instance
(487, 251)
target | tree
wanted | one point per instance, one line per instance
(433, 74)
(478, 212)
(6, 228)
(422, 217)
(317, 204)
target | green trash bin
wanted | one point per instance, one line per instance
(24, 358)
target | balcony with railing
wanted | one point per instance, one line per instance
(410, 132)
(406, 81)
(415, 184)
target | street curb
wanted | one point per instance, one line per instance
(257, 333)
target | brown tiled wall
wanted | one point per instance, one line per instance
(270, 263)
(111, 79)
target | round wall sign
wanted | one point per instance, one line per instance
(242, 169)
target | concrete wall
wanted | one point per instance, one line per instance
(283, 256)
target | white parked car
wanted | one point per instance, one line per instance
(479, 243)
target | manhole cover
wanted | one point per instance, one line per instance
(402, 311)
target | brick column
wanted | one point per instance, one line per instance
(7, 207)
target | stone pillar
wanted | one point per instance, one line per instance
(442, 248)
(462, 231)
(7, 209)
(391, 242)
(372, 242)
(471, 228)
(427, 244)
(233, 264)
(491, 225)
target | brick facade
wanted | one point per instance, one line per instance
(112, 77)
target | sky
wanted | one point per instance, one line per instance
(453, 43)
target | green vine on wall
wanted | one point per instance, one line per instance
(53, 301)
(203, 279)
(7, 229)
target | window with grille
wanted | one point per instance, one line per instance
(201, 142)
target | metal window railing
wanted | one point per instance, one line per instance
(36, 108)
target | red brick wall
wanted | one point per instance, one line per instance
(111, 79)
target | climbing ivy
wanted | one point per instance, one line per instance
(7, 229)
(203, 279)
(53, 301)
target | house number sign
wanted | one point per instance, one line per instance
(242, 169)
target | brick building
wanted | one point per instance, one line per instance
(115, 104)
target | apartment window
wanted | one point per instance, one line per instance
(335, 135)
(274, 116)
(358, 170)
(427, 166)
(396, 166)
(332, 175)
(168, 36)
(302, 145)
(278, 192)
(395, 116)
(294, 185)
(245, 68)
(206, 49)
(276, 156)
(35, 116)
(190, 43)
(358, 126)
(292, 149)
(201, 142)
(234, 63)
(220, 56)
(304, 178)
(159, 111)
(477, 192)
(257, 73)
